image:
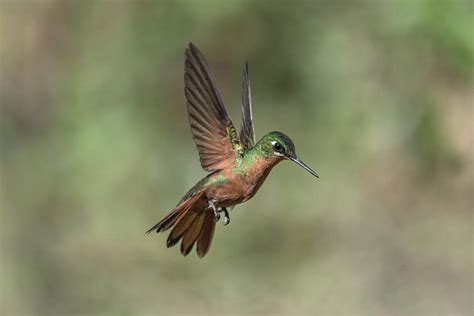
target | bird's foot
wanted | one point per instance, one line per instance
(217, 210)
(226, 215)
(217, 216)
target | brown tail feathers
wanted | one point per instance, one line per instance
(193, 223)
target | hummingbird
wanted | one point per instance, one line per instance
(237, 163)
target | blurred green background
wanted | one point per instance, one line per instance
(96, 148)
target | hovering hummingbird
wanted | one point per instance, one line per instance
(237, 164)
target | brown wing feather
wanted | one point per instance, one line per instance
(211, 126)
(247, 132)
(193, 223)
(169, 220)
(181, 226)
(192, 234)
(205, 237)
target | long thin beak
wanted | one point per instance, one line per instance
(302, 164)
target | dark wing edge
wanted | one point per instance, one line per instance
(247, 131)
(213, 131)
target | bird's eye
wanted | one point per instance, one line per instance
(278, 147)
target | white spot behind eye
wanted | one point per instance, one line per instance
(276, 152)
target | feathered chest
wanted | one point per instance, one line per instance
(240, 183)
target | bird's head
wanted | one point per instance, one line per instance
(278, 146)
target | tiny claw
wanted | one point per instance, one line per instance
(217, 217)
(226, 216)
(226, 220)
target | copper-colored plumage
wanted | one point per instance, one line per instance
(237, 164)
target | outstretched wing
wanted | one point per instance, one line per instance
(215, 135)
(247, 132)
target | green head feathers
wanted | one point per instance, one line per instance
(277, 143)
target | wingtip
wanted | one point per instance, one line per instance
(153, 229)
(246, 76)
(170, 242)
(193, 48)
(186, 251)
(190, 50)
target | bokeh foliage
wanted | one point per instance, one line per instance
(95, 148)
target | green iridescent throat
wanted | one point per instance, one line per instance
(263, 148)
